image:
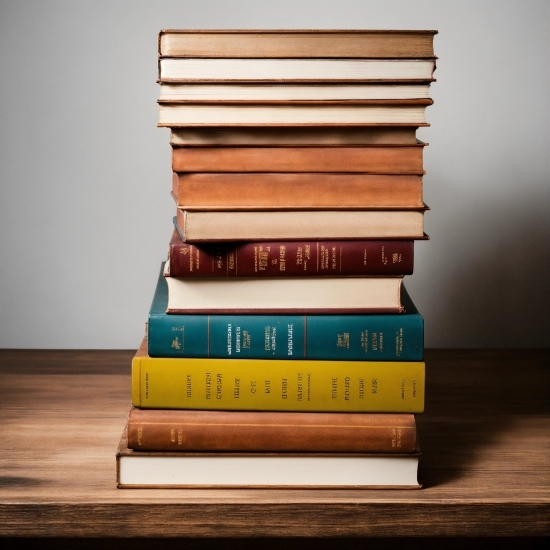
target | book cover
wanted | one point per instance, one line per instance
(338, 337)
(276, 384)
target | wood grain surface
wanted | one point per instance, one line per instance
(484, 439)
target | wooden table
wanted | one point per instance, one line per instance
(485, 464)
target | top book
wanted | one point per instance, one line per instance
(297, 43)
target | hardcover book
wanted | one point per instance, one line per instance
(143, 469)
(248, 431)
(276, 384)
(296, 43)
(338, 337)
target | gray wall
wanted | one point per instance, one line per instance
(85, 212)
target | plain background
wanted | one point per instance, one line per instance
(85, 211)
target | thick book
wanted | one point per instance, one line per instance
(367, 160)
(295, 70)
(289, 258)
(251, 431)
(274, 136)
(150, 469)
(258, 191)
(296, 43)
(289, 295)
(298, 225)
(182, 92)
(174, 115)
(276, 384)
(283, 336)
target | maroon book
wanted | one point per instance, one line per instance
(290, 258)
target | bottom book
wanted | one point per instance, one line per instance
(143, 469)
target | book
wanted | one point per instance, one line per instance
(250, 431)
(147, 469)
(289, 258)
(366, 160)
(309, 295)
(298, 225)
(300, 191)
(274, 136)
(295, 114)
(296, 43)
(276, 384)
(191, 92)
(294, 70)
(282, 336)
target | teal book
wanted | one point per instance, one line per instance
(377, 337)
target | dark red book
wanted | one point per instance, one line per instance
(290, 258)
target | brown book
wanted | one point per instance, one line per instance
(195, 430)
(301, 191)
(296, 43)
(297, 225)
(273, 136)
(369, 160)
(290, 258)
(295, 113)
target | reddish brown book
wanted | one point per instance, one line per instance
(370, 160)
(290, 258)
(195, 430)
(251, 191)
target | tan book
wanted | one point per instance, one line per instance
(300, 191)
(294, 225)
(192, 92)
(326, 136)
(296, 43)
(370, 160)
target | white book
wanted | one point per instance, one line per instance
(291, 92)
(186, 114)
(305, 295)
(161, 469)
(295, 70)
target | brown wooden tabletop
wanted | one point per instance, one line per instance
(485, 467)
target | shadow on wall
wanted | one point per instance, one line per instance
(493, 257)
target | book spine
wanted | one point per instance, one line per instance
(278, 385)
(236, 431)
(291, 259)
(372, 160)
(320, 337)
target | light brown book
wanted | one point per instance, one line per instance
(253, 191)
(196, 430)
(295, 225)
(175, 115)
(296, 43)
(273, 136)
(369, 160)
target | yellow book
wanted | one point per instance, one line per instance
(276, 385)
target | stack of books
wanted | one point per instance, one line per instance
(282, 349)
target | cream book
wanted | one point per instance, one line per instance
(321, 295)
(295, 225)
(186, 114)
(295, 70)
(137, 469)
(291, 92)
